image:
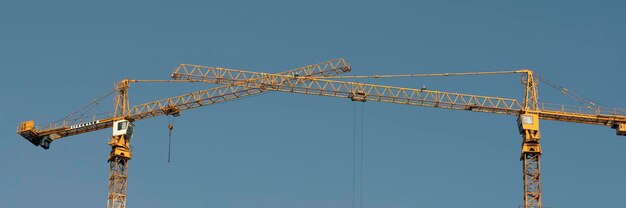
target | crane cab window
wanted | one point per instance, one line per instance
(122, 125)
(527, 120)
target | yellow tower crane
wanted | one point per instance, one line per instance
(528, 113)
(124, 115)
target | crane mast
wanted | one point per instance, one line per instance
(528, 124)
(120, 149)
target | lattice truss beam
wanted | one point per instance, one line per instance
(229, 92)
(65, 128)
(390, 94)
(333, 88)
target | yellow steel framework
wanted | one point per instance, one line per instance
(63, 128)
(307, 80)
(120, 152)
(120, 144)
(399, 95)
(528, 112)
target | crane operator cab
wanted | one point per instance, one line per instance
(528, 125)
(123, 127)
(120, 142)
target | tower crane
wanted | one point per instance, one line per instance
(124, 115)
(528, 112)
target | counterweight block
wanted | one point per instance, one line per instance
(620, 129)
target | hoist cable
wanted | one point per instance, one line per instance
(362, 150)
(580, 99)
(354, 155)
(86, 108)
(170, 127)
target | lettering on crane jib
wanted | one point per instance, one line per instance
(84, 124)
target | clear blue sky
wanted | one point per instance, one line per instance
(286, 150)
